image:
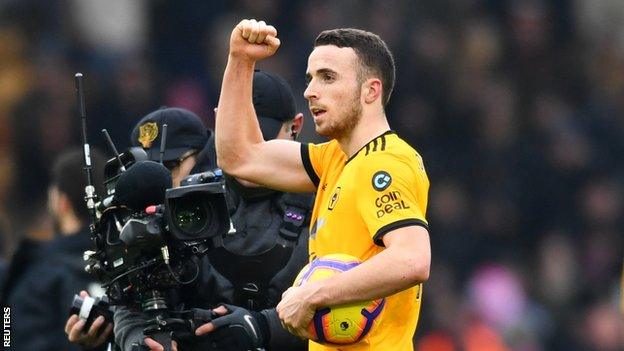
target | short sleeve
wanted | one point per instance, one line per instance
(393, 194)
(312, 156)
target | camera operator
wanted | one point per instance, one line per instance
(253, 265)
(40, 299)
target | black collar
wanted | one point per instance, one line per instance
(387, 132)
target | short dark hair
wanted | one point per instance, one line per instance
(69, 177)
(371, 50)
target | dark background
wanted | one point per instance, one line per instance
(516, 107)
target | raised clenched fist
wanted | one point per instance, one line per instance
(253, 40)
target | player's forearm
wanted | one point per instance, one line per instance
(236, 127)
(386, 273)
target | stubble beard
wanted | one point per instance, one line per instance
(344, 125)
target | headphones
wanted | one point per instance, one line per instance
(293, 132)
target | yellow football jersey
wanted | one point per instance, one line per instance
(381, 188)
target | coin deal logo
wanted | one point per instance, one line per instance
(381, 180)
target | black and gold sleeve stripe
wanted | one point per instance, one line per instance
(378, 237)
(307, 164)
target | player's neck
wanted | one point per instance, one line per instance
(368, 128)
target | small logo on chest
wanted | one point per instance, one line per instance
(333, 200)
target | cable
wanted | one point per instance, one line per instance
(188, 281)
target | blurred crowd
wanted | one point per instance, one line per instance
(517, 107)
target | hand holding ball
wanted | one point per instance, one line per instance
(343, 324)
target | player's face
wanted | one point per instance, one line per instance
(333, 92)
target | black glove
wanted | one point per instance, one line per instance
(240, 329)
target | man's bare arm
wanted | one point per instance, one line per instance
(404, 263)
(241, 150)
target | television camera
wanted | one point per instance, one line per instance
(148, 237)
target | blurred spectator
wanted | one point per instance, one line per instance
(43, 277)
(110, 27)
(603, 328)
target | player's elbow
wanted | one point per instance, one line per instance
(242, 171)
(415, 268)
(225, 164)
(229, 161)
(229, 154)
(237, 159)
(420, 271)
(230, 167)
(419, 263)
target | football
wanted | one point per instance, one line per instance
(343, 324)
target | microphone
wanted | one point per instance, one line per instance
(142, 185)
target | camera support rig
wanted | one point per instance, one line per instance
(143, 251)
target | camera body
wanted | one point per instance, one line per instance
(197, 210)
(143, 251)
(148, 238)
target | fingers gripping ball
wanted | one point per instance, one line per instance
(343, 324)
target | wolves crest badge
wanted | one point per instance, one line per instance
(148, 133)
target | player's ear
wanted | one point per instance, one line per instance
(297, 123)
(371, 90)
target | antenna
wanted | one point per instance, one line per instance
(90, 196)
(113, 149)
(163, 142)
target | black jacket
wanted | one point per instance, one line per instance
(42, 282)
